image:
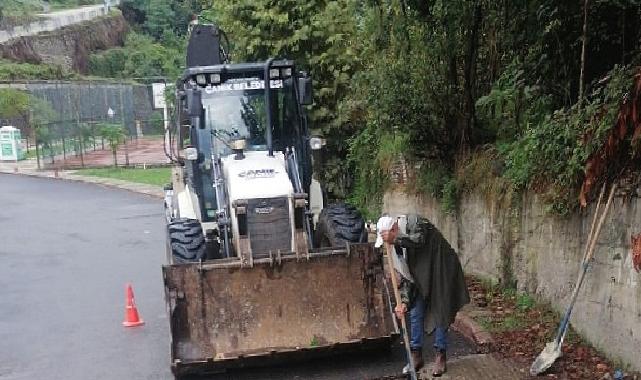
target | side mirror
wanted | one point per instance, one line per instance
(305, 91)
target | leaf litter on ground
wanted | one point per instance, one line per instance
(521, 327)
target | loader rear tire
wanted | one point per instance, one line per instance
(339, 224)
(186, 241)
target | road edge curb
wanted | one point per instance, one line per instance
(122, 185)
(469, 328)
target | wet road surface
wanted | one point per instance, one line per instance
(67, 251)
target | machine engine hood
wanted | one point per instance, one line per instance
(256, 176)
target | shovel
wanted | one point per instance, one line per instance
(552, 350)
(397, 295)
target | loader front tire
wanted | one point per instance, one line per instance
(186, 241)
(339, 224)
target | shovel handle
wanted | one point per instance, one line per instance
(397, 295)
(586, 260)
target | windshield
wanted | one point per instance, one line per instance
(237, 110)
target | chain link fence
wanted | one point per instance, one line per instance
(66, 121)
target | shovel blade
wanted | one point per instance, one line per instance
(546, 358)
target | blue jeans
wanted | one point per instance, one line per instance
(417, 321)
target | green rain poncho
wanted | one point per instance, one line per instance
(436, 271)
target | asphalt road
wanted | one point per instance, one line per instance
(67, 251)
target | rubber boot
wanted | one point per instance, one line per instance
(417, 358)
(440, 363)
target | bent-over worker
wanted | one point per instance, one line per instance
(436, 289)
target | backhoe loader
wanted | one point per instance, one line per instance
(260, 270)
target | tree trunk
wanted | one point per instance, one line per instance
(470, 75)
(623, 17)
(583, 45)
(38, 153)
(82, 157)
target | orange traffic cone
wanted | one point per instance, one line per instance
(132, 318)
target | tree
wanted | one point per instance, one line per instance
(115, 135)
(13, 103)
(318, 36)
(41, 116)
(159, 18)
(437, 80)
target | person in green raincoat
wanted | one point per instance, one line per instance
(436, 290)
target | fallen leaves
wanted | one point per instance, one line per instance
(522, 342)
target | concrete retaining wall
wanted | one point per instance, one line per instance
(56, 20)
(541, 254)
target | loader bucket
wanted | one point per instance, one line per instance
(283, 308)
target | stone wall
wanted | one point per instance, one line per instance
(542, 254)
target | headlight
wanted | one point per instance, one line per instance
(191, 154)
(317, 143)
(239, 144)
(215, 78)
(286, 73)
(274, 73)
(201, 79)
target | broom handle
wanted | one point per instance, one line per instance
(566, 319)
(397, 295)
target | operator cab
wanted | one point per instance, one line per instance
(235, 106)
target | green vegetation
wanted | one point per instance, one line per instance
(115, 135)
(320, 37)
(497, 97)
(13, 103)
(156, 47)
(16, 12)
(155, 176)
(515, 312)
(16, 71)
(141, 57)
(505, 92)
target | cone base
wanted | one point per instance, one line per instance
(133, 324)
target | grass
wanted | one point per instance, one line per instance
(10, 70)
(519, 303)
(155, 176)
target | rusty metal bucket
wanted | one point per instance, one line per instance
(284, 308)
